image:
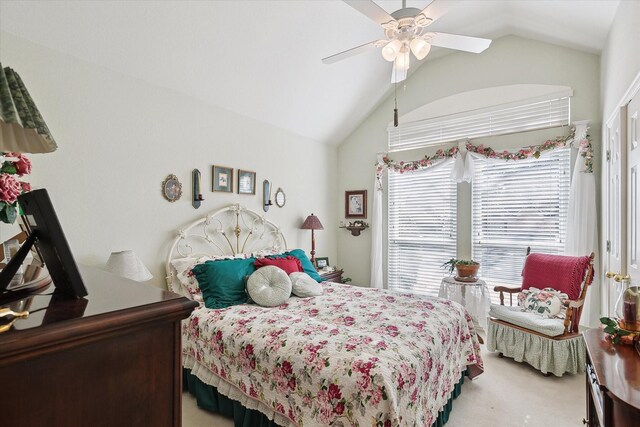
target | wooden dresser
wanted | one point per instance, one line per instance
(613, 382)
(111, 358)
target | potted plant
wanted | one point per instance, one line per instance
(465, 268)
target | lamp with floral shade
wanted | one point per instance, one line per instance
(22, 130)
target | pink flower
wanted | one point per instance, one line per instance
(23, 164)
(334, 392)
(26, 187)
(10, 189)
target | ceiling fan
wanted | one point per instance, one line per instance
(406, 31)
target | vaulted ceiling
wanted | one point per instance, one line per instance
(262, 58)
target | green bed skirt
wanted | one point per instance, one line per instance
(209, 399)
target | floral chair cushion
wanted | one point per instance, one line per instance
(546, 302)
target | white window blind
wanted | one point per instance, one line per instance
(515, 205)
(505, 119)
(421, 228)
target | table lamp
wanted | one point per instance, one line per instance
(22, 128)
(312, 223)
(127, 264)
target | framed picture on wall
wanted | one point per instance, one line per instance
(222, 179)
(246, 182)
(355, 204)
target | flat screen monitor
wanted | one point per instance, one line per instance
(45, 231)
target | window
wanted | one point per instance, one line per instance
(515, 205)
(504, 119)
(421, 227)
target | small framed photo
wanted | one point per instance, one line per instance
(355, 204)
(322, 262)
(222, 179)
(246, 182)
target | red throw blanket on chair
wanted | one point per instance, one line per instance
(562, 273)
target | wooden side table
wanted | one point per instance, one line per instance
(332, 276)
(613, 382)
(96, 361)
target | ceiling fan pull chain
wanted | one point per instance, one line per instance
(395, 100)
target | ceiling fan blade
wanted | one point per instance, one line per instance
(458, 42)
(437, 8)
(349, 53)
(371, 10)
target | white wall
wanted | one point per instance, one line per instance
(621, 56)
(508, 61)
(118, 139)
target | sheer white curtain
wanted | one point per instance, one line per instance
(377, 278)
(582, 227)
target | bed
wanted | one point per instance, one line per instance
(352, 356)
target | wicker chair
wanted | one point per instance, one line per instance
(551, 345)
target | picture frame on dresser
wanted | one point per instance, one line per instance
(322, 262)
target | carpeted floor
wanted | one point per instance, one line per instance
(508, 394)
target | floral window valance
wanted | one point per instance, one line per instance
(582, 141)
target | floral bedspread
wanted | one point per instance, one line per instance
(353, 356)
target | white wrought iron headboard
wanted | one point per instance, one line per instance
(229, 231)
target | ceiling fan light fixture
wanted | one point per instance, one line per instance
(422, 20)
(402, 60)
(391, 50)
(420, 48)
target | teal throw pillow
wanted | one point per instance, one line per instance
(222, 282)
(307, 266)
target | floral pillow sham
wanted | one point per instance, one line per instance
(545, 302)
(189, 284)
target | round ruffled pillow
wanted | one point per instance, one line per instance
(304, 285)
(269, 286)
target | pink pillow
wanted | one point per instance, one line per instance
(289, 264)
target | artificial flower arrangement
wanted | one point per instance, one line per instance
(14, 165)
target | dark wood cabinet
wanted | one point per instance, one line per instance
(332, 276)
(613, 382)
(111, 358)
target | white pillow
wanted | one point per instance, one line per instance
(304, 285)
(545, 303)
(269, 286)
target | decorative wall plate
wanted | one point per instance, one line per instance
(171, 188)
(281, 198)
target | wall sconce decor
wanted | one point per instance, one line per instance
(266, 195)
(355, 227)
(196, 198)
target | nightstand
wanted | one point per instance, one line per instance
(332, 276)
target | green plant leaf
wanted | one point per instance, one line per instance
(610, 330)
(622, 332)
(608, 321)
(8, 168)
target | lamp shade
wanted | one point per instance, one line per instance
(312, 223)
(22, 128)
(127, 264)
